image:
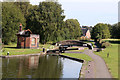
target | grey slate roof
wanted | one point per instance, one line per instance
(84, 30)
(24, 32)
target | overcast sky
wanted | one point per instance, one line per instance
(89, 12)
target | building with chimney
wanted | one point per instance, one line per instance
(25, 39)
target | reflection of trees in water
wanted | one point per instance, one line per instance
(32, 66)
(27, 66)
(10, 67)
(50, 67)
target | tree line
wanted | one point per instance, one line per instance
(105, 31)
(45, 19)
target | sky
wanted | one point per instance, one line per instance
(119, 11)
(89, 12)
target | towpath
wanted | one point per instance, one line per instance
(96, 68)
(100, 69)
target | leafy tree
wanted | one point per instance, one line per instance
(100, 31)
(46, 20)
(118, 30)
(24, 7)
(11, 18)
(73, 27)
(110, 29)
(115, 28)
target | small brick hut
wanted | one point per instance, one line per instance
(25, 39)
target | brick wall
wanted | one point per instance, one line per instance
(27, 41)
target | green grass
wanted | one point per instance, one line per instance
(14, 51)
(112, 60)
(111, 39)
(47, 46)
(79, 56)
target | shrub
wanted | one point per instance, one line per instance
(92, 43)
(105, 44)
(83, 38)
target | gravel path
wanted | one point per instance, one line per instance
(96, 68)
(73, 52)
(100, 69)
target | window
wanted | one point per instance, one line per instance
(33, 41)
(38, 40)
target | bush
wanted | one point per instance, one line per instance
(92, 43)
(83, 38)
(105, 44)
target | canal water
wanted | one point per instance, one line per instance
(40, 67)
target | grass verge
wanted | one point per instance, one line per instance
(79, 56)
(112, 60)
(15, 51)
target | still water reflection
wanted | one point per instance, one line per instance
(40, 67)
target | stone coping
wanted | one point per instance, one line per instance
(21, 55)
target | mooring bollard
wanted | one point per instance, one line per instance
(88, 71)
(107, 55)
(7, 53)
(43, 49)
(89, 64)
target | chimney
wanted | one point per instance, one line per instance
(20, 27)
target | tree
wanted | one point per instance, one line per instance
(100, 31)
(24, 7)
(46, 20)
(11, 18)
(115, 30)
(74, 28)
(118, 30)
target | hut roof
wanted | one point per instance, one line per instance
(24, 32)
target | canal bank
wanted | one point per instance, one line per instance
(10, 56)
(40, 67)
(95, 68)
(39, 54)
(90, 70)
